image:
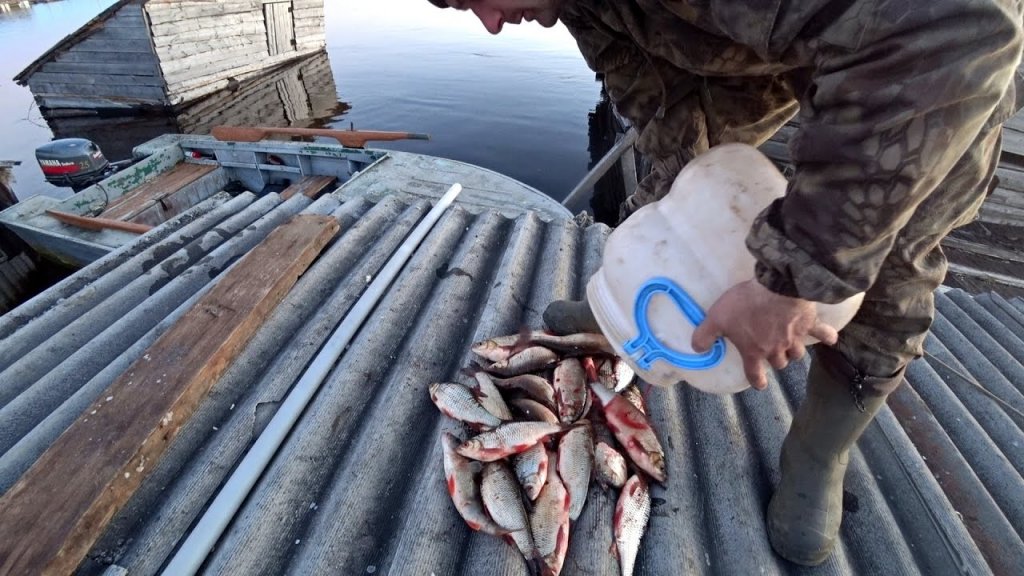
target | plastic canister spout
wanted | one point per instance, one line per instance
(670, 261)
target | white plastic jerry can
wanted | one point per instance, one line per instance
(671, 260)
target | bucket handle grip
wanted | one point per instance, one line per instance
(645, 349)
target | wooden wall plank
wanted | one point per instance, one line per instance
(149, 93)
(93, 57)
(96, 79)
(130, 68)
(108, 45)
(114, 445)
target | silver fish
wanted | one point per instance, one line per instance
(534, 410)
(575, 462)
(634, 396)
(550, 522)
(458, 402)
(536, 387)
(605, 372)
(583, 344)
(497, 349)
(624, 374)
(489, 397)
(633, 432)
(463, 489)
(500, 492)
(532, 470)
(506, 440)
(609, 466)
(530, 360)
(570, 390)
(631, 514)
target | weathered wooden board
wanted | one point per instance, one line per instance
(107, 80)
(94, 57)
(114, 45)
(163, 12)
(154, 94)
(310, 186)
(102, 70)
(280, 27)
(60, 506)
(134, 202)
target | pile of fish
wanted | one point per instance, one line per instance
(550, 413)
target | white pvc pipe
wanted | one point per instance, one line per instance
(204, 536)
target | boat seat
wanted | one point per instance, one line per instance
(150, 193)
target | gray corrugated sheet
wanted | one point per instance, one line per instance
(934, 487)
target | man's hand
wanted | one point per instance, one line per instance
(763, 326)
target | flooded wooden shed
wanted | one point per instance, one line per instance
(169, 53)
(299, 94)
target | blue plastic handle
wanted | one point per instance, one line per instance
(645, 349)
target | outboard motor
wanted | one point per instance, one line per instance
(73, 162)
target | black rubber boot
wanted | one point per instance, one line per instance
(570, 317)
(807, 507)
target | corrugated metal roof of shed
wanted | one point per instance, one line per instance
(358, 484)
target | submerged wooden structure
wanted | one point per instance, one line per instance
(301, 93)
(167, 53)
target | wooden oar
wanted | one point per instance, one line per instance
(350, 138)
(98, 223)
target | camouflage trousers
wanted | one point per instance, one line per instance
(891, 326)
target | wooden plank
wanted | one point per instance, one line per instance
(986, 275)
(98, 223)
(152, 94)
(272, 45)
(107, 45)
(96, 79)
(206, 34)
(1006, 197)
(94, 70)
(285, 27)
(310, 186)
(99, 462)
(224, 24)
(94, 57)
(160, 16)
(119, 34)
(1004, 215)
(983, 249)
(151, 192)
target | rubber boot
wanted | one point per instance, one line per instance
(807, 507)
(570, 317)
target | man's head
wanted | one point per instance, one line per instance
(496, 13)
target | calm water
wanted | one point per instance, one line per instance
(517, 103)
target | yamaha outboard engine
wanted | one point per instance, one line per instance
(73, 162)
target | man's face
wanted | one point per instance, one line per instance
(496, 13)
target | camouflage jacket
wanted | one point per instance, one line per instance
(891, 93)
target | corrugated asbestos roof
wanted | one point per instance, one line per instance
(357, 488)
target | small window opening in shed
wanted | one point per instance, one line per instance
(280, 27)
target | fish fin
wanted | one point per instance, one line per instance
(590, 369)
(471, 370)
(524, 340)
(535, 565)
